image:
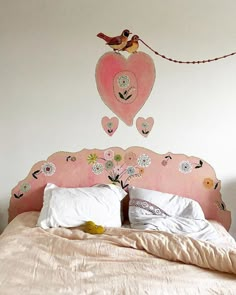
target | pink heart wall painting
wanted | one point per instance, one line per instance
(110, 125)
(144, 126)
(125, 84)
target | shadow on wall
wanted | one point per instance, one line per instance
(228, 192)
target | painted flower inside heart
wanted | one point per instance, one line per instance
(123, 81)
(125, 87)
(110, 127)
(144, 126)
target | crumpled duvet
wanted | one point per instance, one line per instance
(120, 261)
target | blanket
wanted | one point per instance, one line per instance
(120, 261)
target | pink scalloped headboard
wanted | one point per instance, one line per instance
(172, 173)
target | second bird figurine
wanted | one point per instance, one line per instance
(132, 45)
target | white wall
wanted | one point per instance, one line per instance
(49, 99)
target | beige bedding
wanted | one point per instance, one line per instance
(121, 261)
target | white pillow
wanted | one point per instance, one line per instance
(70, 207)
(154, 210)
(172, 205)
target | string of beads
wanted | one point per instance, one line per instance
(188, 62)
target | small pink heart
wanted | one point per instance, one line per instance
(110, 125)
(144, 126)
(125, 84)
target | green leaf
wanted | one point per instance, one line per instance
(117, 177)
(35, 173)
(128, 97)
(121, 95)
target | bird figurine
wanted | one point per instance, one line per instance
(116, 43)
(132, 45)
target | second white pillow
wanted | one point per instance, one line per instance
(154, 210)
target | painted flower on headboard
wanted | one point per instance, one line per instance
(48, 169)
(120, 170)
(24, 188)
(185, 167)
(208, 183)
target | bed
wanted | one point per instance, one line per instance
(165, 226)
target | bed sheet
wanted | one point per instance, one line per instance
(120, 261)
